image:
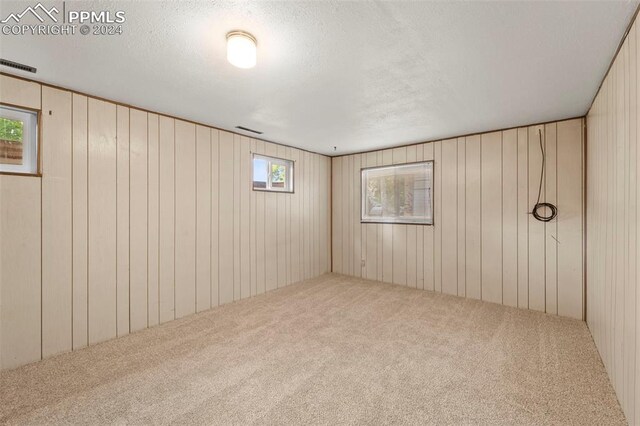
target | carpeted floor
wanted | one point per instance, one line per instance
(330, 350)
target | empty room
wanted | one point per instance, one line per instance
(319, 212)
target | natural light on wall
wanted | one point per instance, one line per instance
(18, 140)
(398, 194)
(241, 49)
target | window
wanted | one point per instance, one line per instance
(272, 174)
(398, 194)
(18, 140)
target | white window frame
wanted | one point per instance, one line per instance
(427, 220)
(29, 119)
(289, 176)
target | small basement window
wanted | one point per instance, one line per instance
(398, 194)
(18, 140)
(272, 174)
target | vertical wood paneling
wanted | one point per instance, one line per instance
(281, 231)
(122, 221)
(420, 236)
(303, 221)
(56, 222)
(611, 220)
(570, 218)
(448, 177)
(327, 221)
(138, 281)
(308, 218)
(296, 215)
(621, 172)
(631, 293)
(411, 231)
(215, 221)
(437, 218)
(372, 230)
(261, 248)
(236, 216)
(287, 228)
(355, 216)
(379, 233)
(167, 218)
(481, 245)
(80, 222)
(399, 232)
(14, 91)
(345, 204)
(102, 220)
(428, 250)
(185, 284)
(270, 231)
(324, 205)
(491, 216)
(153, 231)
(523, 218)
(551, 228)
(537, 287)
(253, 222)
(245, 217)
(125, 194)
(510, 217)
(20, 317)
(315, 207)
(225, 231)
(336, 191)
(387, 233)
(203, 218)
(473, 214)
(461, 217)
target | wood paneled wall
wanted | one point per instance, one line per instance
(613, 243)
(484, 243)
(139, 219)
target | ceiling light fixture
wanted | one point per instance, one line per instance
(241, 49)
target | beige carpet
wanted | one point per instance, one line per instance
(330, 350)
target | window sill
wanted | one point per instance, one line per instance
(39, 175)
(272, 191)
(364, 222)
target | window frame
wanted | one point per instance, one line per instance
(395, 221)
(291, 164)
(37, 134)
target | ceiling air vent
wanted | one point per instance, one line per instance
(17, 66)
(246, 129)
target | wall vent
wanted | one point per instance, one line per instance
(21, 67)
(246, 129)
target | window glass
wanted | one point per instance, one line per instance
(398, 194)
(18, 140)
(272, 174)
(278, 175)
(260, 173)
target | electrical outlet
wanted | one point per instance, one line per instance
(362, 263)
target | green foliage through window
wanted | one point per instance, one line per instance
(11, 130)
(278, 173)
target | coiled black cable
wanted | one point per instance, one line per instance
(539, 205)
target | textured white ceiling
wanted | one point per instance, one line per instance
(355, 75)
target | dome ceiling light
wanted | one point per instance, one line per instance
(241, 49)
